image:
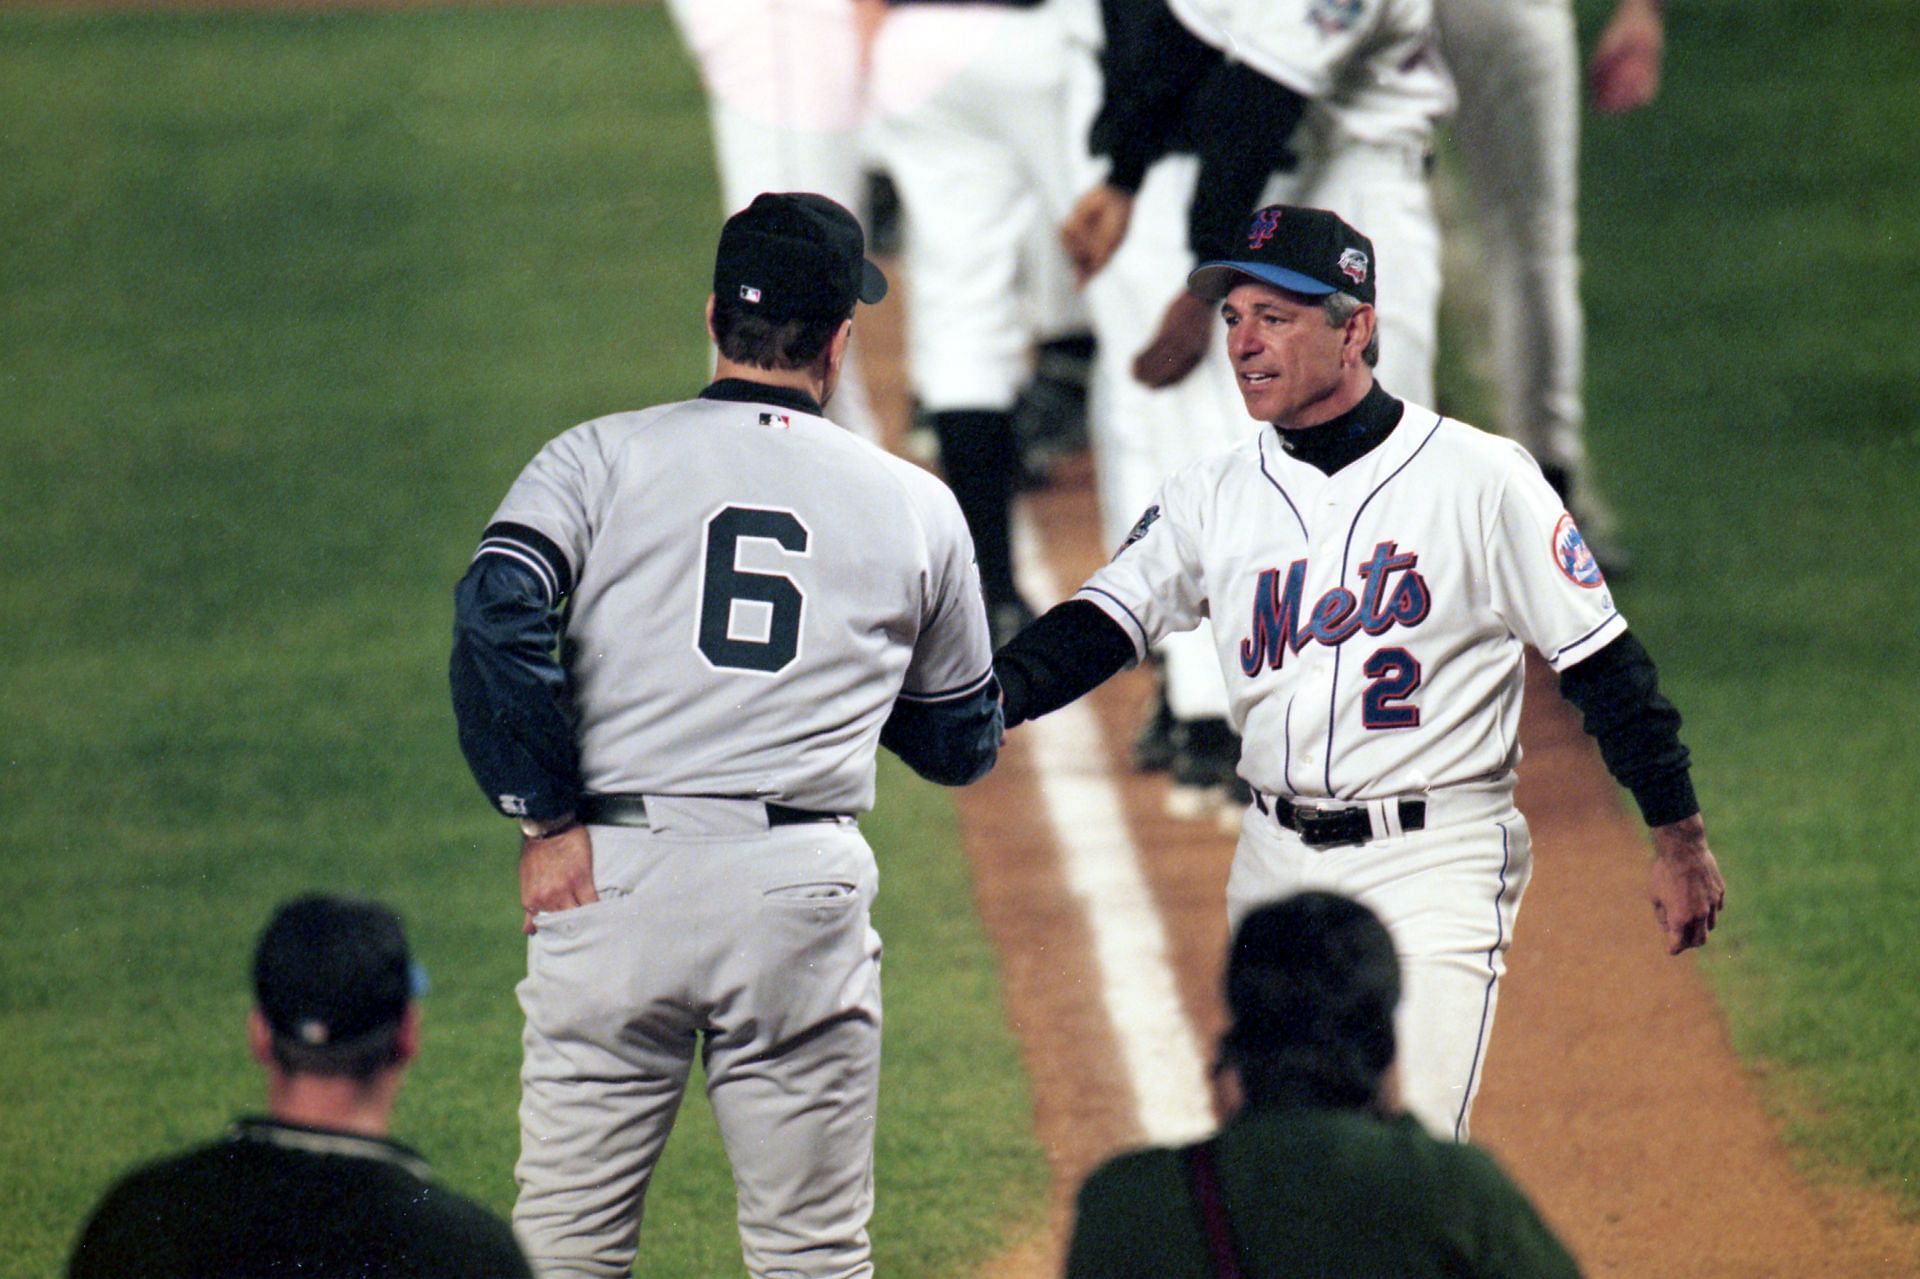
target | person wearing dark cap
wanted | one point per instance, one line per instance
(1374, 573)
(1315, 1172)
(684, 634)
(316, 1188)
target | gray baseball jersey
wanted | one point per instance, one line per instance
(754, 600)
(761, 586)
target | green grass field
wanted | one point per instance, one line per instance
(285, 302)
(1752, 251)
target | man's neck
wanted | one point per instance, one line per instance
(335, 1103)
(1352, 435)
(807, 380)
(1351, 389)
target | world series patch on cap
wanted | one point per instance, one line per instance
(1298, 249)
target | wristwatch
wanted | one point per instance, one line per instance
(532, 829)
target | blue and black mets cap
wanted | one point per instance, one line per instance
(1302, 250)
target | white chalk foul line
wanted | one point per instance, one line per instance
(1157, 1042)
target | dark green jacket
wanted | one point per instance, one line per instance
(1317, 1194)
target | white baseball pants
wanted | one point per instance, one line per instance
(1516, 65)
(786, 97)
(1449, 896)
(969, 109)
(752, 947)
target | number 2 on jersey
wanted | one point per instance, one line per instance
(1395, 675)
(725, 583)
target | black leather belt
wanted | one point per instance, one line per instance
(631, 810)
(1331, 827)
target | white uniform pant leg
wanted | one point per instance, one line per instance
(607, 1054)
(1449, 897)
(1516, 67)
(793, 1052)
(1382, 191)
(968, 107)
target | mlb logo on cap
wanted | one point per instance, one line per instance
(749, 294)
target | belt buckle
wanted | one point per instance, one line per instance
(1326, 825)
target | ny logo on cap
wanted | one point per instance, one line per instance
(1265, 223)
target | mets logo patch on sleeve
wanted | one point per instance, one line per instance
(1139, 530)
(1571, 553)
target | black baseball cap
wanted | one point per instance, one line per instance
(795, 255)
(1298, 249)
(331, 969)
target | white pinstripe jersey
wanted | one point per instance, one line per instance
(1371, 624)
(752, 587)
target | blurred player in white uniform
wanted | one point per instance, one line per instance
(786, 84)
(1374, 573)
(1516, 66)
(969, 103)
(1343, 95)
(684, 633)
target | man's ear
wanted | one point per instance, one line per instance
(842, 338)
(260, 1038)
(1360, 327)
(406, 1039)
(711, 335)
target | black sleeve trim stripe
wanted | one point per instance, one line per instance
(968, 689)
(1120, 604)
(534, 549)
(1566, 648)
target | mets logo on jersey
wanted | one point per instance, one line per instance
(1139, 529)
(1353, 265)
(1575, 558)
(1334, 16)
(1265, 223)
(1392, 593)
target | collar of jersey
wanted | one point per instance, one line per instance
(327, 1141)
(1347, 438)
(740, 390)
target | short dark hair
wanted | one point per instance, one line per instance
(1312, 982)
(746, 337)
(333, 978)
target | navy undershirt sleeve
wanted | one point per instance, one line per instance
(510, 691)
(952, 741)
(1617, 692)
(1241, 123)
(1070, 650)
(1150, 64)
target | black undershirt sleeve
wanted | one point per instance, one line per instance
(1149, 65)
(1242, 123)
(1617, 692)
(1070, 650)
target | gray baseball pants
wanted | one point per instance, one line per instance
(753, 946)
